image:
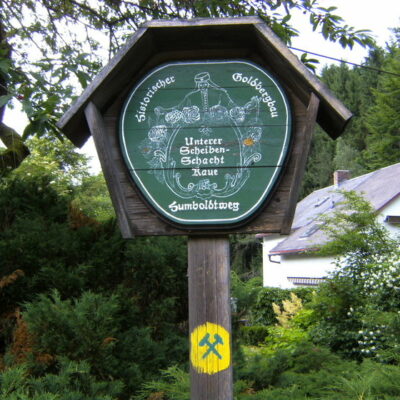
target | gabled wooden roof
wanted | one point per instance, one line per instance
(165, 40)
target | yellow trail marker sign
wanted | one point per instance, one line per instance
(210, 348)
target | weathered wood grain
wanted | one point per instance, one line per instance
(300, 164)
(209, 302)
(145, 221)
(164, 41)
(104, 150)
(202, 38)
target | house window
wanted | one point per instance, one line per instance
(306, 281)
(321, 201)
(392, 219)
(314, 228)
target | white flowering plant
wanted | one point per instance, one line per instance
(359, 306)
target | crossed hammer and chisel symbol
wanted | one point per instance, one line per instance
(211, 346)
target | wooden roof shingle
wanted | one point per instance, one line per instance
(202, 38)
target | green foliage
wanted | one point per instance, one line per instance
(347, 227)
(253, 335)
(71, 325)
(338, 324)
(292, 329)
(356, 309)
(119, 306)
(262, 372)
(378, 338)
(347, 157)
(173, 385)
(372, 382)
(102, 330)
(304, 372)
(262, 311)
(73, 381)
(244, 294)
(319, 164)
(309, 372)
(30, 198)
(93, 199)
(246, 253)
(37, 238)
(383, 143)
(369, 141)
(313, 372)
(72, 40)
(288, 338)
(157, 269)
(56, 159)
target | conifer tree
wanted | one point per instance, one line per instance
(383, 141)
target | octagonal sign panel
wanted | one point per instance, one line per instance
(205, 142)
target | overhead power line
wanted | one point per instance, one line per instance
(346, 62)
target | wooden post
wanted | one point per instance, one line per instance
(210, 319)
(151, 112)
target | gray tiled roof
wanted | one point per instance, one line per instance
(379, 188)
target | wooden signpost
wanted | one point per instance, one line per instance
(203, 129)
(210, 319)
(206, 141)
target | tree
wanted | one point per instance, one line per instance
(49, 49)
(357, 308)
(246, 253)
(57, 160)
(383, 142)
(320, 167)
(93, 199)
(73, 291)
(357, 88)
(349, 227)
(16, 150)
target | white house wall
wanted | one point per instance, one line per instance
(277, 268)
(304, 266)
(273, 274)
(392, 208)
(292, 265)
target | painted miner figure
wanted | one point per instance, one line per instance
(208, 105)
(205, 117)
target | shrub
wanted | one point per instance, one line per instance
(262, 371)
(71, 381)
(293, 326)
(310, 372)
(244, 294)
(253, 335)
(357, 309)
(173, 385)
(102, 330)
(262, 312)
(371, 381)
(338, 322)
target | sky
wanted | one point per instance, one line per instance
(360, 14)
(378, 17)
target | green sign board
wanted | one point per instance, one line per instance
(205, 141)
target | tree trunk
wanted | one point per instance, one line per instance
(16, 150)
